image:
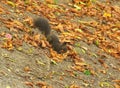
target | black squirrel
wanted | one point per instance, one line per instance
(43, 25)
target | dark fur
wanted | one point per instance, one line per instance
(43, 25)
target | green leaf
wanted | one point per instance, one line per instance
(87, 72)
(92, 0)
(77, 44)
(55, 1)
(97, 43)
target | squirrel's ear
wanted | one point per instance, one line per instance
(64, 45)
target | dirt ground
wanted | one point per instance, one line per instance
(31, 67)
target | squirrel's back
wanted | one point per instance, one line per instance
(43, 25)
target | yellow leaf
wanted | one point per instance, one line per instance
(11, 3)
(106, 14)
(103, 84)
(77, 7)
(19, 48)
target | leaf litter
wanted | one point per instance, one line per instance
(105, 36)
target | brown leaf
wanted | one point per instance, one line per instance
(43, 43)
(41, 84)
(50, 1)
(29, 84)
(27, 69)
(29, 21)
(34, 43)
(74, 86)
(8, 44)
(117, 86)
(1, 10)
(103, 63)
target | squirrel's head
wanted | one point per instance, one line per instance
(63, 48)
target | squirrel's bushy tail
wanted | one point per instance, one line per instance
(43, 25)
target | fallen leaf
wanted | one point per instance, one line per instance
(27, 69)
(29, 84)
